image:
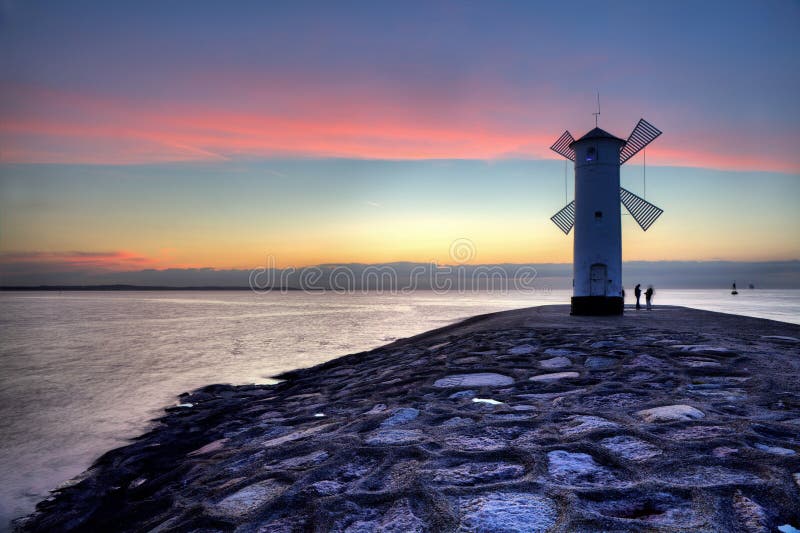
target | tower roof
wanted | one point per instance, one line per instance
(597, 133)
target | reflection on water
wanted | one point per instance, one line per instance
(81, 372)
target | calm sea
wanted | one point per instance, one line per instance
(80, 372)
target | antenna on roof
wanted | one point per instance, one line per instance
(596, 115)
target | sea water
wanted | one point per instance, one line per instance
(82, 372)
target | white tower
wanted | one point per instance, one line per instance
(596, 214)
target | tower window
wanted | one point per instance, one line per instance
(598, 215)
(591, 154)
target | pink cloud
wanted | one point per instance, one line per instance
(284, 118)
(74, 261)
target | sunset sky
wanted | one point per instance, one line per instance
(193, 134)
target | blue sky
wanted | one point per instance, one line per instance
(201, 134)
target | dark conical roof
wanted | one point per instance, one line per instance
(597, 133)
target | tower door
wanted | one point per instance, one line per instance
(598, 275)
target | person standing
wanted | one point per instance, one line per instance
(648, 297)
(637, 291)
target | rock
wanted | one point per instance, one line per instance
(487, 379)
(327, 487)
(295, 435)
(708, 476)
(788, 528)
(378, 408)
(474, 473)
(522, 349)
(506, 417)
(603, 344)
(614, 402)
(630, 448)
(704, 348)
(581, 424)
(138, 482)
(400, 518)
(784, 338)
(641, 376)
(86, 474)
(394, 437)
(648, 361)
(354, 470)
(246, 500)
(775, 450)
(211, 447)
(555, 376)
(577, 469)
(462, 395)
(727, 395)
(595, 362)
(697, 362)
(466, 361)
(555, 362)
(167, 525)
(670, 413)
(796, 477)
(699, 432)
(438, 346)
(654, 509)
(301, 461)
(548, 396)
(559, 352)
(401, 416)
(507, 512)
(488, 401)
(749, 514)
(457, 421)
(723, 451)
(474, 444)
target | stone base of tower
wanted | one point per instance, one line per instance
(597, 305)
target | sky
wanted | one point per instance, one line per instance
(211, 135)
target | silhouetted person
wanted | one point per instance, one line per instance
(637, 291)
(648, 297)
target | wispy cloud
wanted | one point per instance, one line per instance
(82, 261)
(54, 126)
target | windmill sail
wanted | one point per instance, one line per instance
(561, 146)
(643, 134)
(642, 211)
(565, 218)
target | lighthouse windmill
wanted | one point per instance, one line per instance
(595, 213)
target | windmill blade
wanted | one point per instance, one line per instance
(643, 134)
(565, 218)
(642, 211)
(561, 146)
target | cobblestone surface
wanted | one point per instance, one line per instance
(675, 420)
